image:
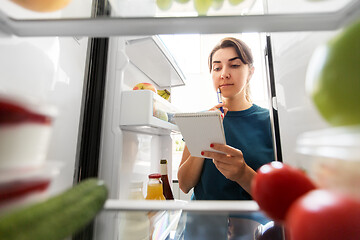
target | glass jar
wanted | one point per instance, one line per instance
(155, 188)
(136, 191)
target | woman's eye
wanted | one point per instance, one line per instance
(235, 66)
(216, 69)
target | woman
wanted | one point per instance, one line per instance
(247, 128)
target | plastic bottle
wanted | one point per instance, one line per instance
(165, 180)
(155, 188)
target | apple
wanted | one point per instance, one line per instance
(333, 78)
(145, 86)
(42, 5)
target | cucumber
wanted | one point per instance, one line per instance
(59, 216)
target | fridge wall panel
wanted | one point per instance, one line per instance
(68, 97)
(126, 155)
(297, 114)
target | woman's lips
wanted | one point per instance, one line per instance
(226, 85)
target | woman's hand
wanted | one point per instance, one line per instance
(231, 164)
(217, 108)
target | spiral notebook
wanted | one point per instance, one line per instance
(200, 129)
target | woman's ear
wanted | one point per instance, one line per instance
(252, 70)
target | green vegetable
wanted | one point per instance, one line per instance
(59, 216)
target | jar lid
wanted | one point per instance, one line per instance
(155, 175)
(340, 142)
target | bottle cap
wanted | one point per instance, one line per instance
(163, 161)
(155, 175)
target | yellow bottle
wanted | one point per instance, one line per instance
(155, 188)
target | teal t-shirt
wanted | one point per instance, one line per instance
(249, 131)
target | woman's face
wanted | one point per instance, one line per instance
(229, 73)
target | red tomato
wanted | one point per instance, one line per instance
(276, 186)
(324, 215)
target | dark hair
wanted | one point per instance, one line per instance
(242, 50)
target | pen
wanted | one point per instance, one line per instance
(220, 99)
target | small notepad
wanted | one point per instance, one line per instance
(200, 129)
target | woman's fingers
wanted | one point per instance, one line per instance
(217, 108)
(227, 149)
(230, 163)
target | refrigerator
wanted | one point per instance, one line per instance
(86, 58)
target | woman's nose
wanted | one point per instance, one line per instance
(225, 75)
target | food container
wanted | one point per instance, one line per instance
(19, 187)
(25, 130)
(334, 158)
(147, 112)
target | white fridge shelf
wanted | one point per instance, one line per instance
(205, 206)
(150, 55)
(139, 109)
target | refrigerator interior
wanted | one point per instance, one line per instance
(52, 69)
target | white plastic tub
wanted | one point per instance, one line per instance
(334, 155)
(25, 130)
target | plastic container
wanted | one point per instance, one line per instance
(136, 191)
(150, 113)
(25, 130)
(26, 186)
(134, 225)
(334, 158)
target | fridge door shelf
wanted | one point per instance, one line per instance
(146, 112)
(150, 55)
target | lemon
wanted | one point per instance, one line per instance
(333, 78)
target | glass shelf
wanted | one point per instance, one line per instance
(142, 17)
(179, 219)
